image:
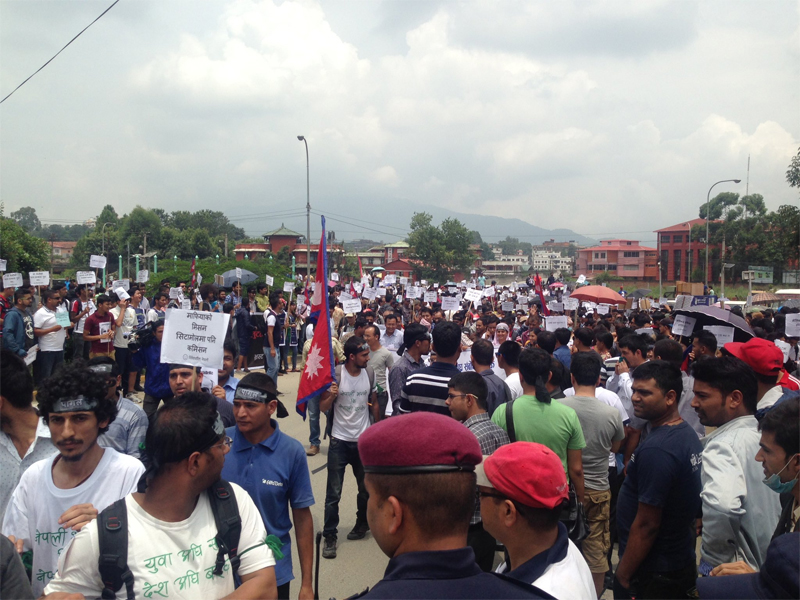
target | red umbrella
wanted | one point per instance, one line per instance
(599, 294)
(556, 284)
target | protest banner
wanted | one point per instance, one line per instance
(193, 337)
(404, 281)
(450, 303)
(723, 333)
(555, 306)
(97, 262)
(683, 325)
(174, 292)
(62, 317)
(431, 297)
(489, 292)
(792, 325)
(288, 286)
(345, 296)
(85, 278)
(210, 378)
(390, 279)
(186, 304)
(553, 323)
(522, 307)
(378, 292)
(125, 284)
(30, 357)
(12, 280)
(143, 276)
(39, 278)
(334, 277)
(371, 293)
(472, 295)
(3, 264)
(465, 364)
(571, 304)
(351, 306)
(122, 294)
(270, 279)
(785, 347)
(507, 306)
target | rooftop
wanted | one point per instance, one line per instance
(283, 231)
(682, 226)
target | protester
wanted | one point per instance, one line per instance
(66, 492)
(272, 468)
(421, 483)
(125, 321)
(392, 338)
(562, 351)
(156, 384)
(226, 382)
(766, 360)
(482, 355)
(416, 343)
(272, 337)
(158, 311)
(352, 399)
(381, 360)
(51, 337)
(18, 325)
(672, 352)
(508, 360)
(466, 399)
(171, 522)
(99, 329)
(82, 307)
(186, 378)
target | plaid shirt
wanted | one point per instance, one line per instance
(490, 437)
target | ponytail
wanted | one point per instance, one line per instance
(542, 395)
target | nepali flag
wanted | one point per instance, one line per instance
(537, 286)
(360, 267)
(194, 277)
(318, 372)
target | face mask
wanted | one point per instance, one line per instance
(774, 482)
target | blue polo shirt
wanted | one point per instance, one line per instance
(275, 474)
(230, 388)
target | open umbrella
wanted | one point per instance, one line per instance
(556, 284)
(597, 293)
(229, 277)
(765, 298)
(711, 315)
(641, 293)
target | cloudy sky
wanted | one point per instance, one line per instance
(605, 117)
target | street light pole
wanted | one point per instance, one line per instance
(103, 235)
(708, 204)
(308, 212)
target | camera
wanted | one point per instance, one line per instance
(140, 338)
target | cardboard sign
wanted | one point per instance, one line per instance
(603, 309)
(38, 278)
(334, 277)
(143, 276)
(682, 302)
(522, 307)
(450, 303)
(792, 325)
(62, 317)
(199, 279)
(210, 379)
(431, 297)
(12, 280)
(571, 304)
(270, 279)
(472, 295)
(411, 293)
(785, 348)
(192, 337)
(3, 264)
(30, 357)
(489, 292)
(555, 306)
(723, 333)
(174, 292)
(507, 306)
(122, 294)
(683, 325)
(378, 292)
(344, 296)
(186, 304)
(125, 284)
(371, 293)
(404, 281)
(553, 323)
(97, 262)
(85, 277)
(351, 306)
(389, 279)
(288, 286)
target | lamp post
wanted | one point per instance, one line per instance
(708, 204)
(308, 211)
(155, 263)
(175, 262)
(103, 236)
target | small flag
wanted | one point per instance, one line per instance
(537, 286)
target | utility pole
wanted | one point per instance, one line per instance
(226, 245)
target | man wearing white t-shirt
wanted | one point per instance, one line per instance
(508, 360)
(172, 551)
(51, 336)
(58, 496)
(126, 320)
(352, 400)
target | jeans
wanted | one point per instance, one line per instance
(48, 362)
(272, 363)
(123, 358)
(313, 420)
(78, 345)
(661, 585)
(341, 454)
(285, 352)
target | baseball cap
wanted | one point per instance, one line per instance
(763, 356)
(527, 472)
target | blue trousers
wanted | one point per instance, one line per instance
(313, 420)
(341, 454)
(272, 364)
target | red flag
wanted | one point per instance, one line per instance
(318, 372)
(537, 285)
(360, 268)
(193, 274)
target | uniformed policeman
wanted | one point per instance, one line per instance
(420, 475)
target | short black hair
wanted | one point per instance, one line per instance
(605, 338)
(546, 340)
(447, 339)
(229, 346)
(563, 335)
(707, 339)
(669, 350)
(727, 374)
(17, 383)
(106, 360)
(510, 352)
(584, 335)
(585, 367)
(71, 381)
(21, 293)
(534, 369)
(360, 322)
(376, 328)
(783, 421)
(483, 352)
(274, 299)
(633, 343)
(102, 298)
(353, 345)
(389, 316)
(666, 375)
(178, 427)
(470, 382)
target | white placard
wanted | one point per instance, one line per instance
(378, 292)
(662, 301)
(358, 287)
(522, 299)
(192, 337)
(371, 293)
(3, 264)
(97, 262)
(174, 292)
(507, 306)
(571, 304)
(723, 333)
(465, 364)
(143, 276)
(683, 325)
(12, 280)
(683, 301)
(238, 272)
(270, 279)
(38, 278)
(646, 331)
(199, 279)
(85, 278)
(122, 294)
(334, 277)
(472, 295)
(431, 297)
(186, 304)
(125, 284)
(351, 306)
(489, 292)
(31, 355)
(553, 323)
(104, 328)
(424, 282)
(288, 286)
(450, 303)
(404, 281)
(603, 309)
(390, 279)
(785, 348)
(344, 296)
(555, 306)
(522, 307)
(792, 325)
(210, 378)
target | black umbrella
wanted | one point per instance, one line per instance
(229, 277)
(641, 293)
(712, 315)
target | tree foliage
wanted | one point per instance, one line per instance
(26, 218)
(23, 251)
(439, 251)
(511, 245)
(793, 172)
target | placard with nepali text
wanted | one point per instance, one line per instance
(194, 337)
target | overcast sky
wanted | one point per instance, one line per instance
(610, 118)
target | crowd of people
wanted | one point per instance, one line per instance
(470, 424)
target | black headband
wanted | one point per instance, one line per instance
(251, 394)
(75, 404)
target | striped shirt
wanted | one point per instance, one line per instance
(426, 389)
(127, 430)
(490, 436)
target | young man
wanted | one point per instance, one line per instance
(272, 338)
(521, 490)
(61, 494)
(24, 436)
(736, 505)
(562, 352)
(81, 308)
(426, 389)
(127, 431)
(226, 382)
(181, 378)
(766, 360)
(50, 334)
(273, 469)
(392, 339)
(416, 343)
(482, 357)
(660, 497)
(18, 324)
(381, 360)
(171, 527)
(159, 309)
(508, 359)
(156, 384)
(603, 430)
(125, 321)
(353, 399)
(99, 329)
(466, 399)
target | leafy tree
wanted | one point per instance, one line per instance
(485, 249)
(27, 219)
(107, 215)
(23, 251)
(717, 205)
(284, 257)
(134, 226)
(440, 251)
(793, 172)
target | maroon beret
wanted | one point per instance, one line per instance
(421, 442)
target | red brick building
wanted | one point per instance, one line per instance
(678, 256)
(624, 259)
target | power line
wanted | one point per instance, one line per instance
(60, 51)
(359, 226)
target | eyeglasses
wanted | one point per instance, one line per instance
(479, 494)
(454, 396)
(226, 441)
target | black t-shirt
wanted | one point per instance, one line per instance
(664, 471)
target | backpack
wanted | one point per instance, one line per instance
(370, 375)
(112, 530)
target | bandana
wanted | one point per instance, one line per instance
(104, 369)
(251, 394)
(76, 404)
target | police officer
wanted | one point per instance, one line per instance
(420, 475)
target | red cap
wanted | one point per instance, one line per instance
(763, 356)
(527, 472)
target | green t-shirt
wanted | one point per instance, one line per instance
(553, 425)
